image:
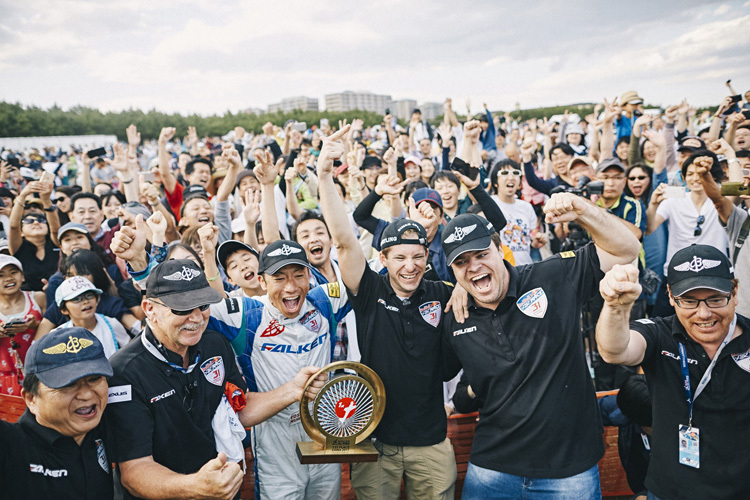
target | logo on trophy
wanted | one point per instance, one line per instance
(342, 415)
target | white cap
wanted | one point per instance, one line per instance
(7, 260)
(72, 288)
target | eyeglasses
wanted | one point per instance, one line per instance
(179, 312)
(82, 297)
(698, 229)
(605, 178)
(32, 220)
(637, 178)
(712, 302)
(517, 173)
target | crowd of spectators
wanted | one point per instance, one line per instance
(673, 177)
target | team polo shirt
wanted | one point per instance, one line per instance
(525, 360)
(629, 209)
(721, 413)
(400, 340)
(39, 462)
(157, 409)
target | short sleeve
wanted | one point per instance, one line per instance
(130, 425)
(649, 329)
(664, 210)
(582, 268)
(368, 288)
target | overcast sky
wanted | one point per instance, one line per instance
(207, 56)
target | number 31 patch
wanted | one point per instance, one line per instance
(533, 303)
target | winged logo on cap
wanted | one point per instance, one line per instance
(460, 233)
(697, 264)
(73, 346)
(186, 274)
(284, 250)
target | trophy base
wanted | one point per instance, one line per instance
(310, 452)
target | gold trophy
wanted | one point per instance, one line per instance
(343, 414)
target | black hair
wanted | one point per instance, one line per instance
(562, 146)
(716, 171)
(190, 167)
(84, 195)
(625, 139)
(474, 209)
(306, 142)
(31, 384)
(87, 262)
(68, 190)
(649, 173)
(105, 257)
(447, 175)
(113, 194)
(502, 165)
(339, 184)
(742, 153)
(634, 400)
(178, 244)
(413, 186)
(308, 215)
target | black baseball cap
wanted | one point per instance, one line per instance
(691, 143)
(193, 191)
(393, 234)
(371, 161)
(245, 173)
(282, 253)
(228, 247)
(610, 162)
(466, 233)
(699, 266)
(65, 355)
(180, 284)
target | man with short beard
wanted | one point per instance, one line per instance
(521, 351)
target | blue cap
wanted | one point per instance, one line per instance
(65, 355)
(427, 194)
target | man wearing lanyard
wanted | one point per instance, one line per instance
(697, 365)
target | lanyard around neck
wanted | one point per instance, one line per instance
(706, 376)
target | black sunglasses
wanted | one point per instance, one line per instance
(637, 178)
(698, 230)
(31, 220)
(180, 312)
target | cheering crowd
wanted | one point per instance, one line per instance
(193, 285)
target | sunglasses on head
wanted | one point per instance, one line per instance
(180, 312)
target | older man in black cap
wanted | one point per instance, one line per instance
(177, 394)
(56, 450)
(697, 365)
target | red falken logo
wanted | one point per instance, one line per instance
(345, 408)
(273, 329)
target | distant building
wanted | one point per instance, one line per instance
(254, 111)
(402, 108)
(290, 104)
(431, 110)
(363, 101)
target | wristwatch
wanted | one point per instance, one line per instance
(53, 208)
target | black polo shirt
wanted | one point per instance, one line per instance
(38, 462)
(401, 341)
(525, 361)
(156, 410)
(721, 413)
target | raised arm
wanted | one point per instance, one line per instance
(615, 243)
(266, 173)
(617, 343)
(351, 259)
(251, 212)
(209, 237)
(292, 205)
(168, 179)
(46, 184)
(724, 205)
(611, 110)
(85, 173)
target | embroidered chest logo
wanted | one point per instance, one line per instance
(533, 303)
(311, 321)
(431, 312)
(743, 360)
(273, 329)
(213, 370)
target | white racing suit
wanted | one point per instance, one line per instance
(271, 349)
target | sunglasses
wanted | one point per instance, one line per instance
(517, 173)
(32, 220)
(179, 312)
(637, 178)
(82, 297)
(698, 230)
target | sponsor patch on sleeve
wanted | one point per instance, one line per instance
(567, 255)
(334, 290)
(120, 394)
(645, 321)
(233, 305)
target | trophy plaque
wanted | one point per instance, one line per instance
(342, 415)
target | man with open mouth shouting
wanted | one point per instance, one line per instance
(521, 350)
